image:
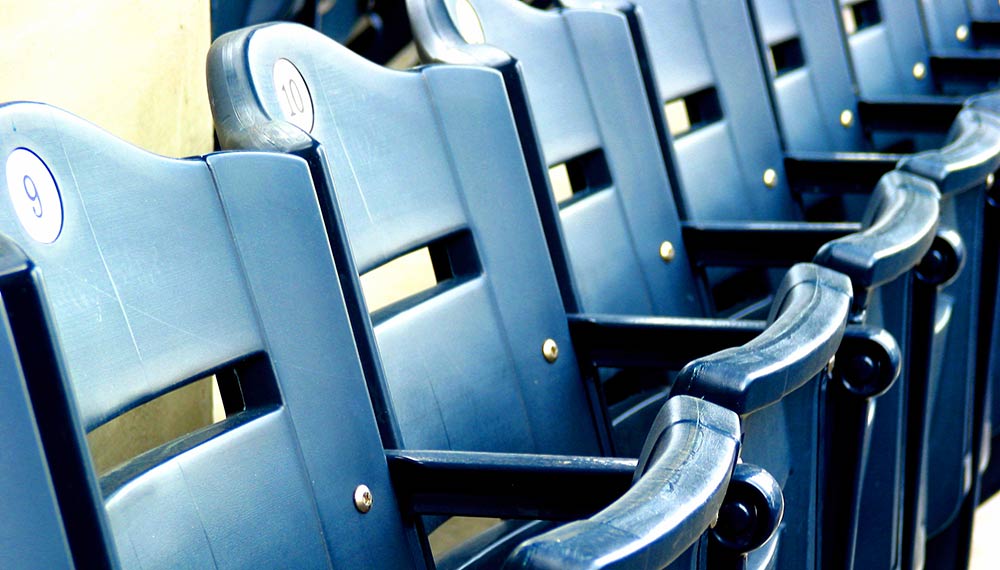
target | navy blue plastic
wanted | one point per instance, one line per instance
(426, 194)
(724, 26)
(781, 401)
(169, 269)
(984, 10)
(899, 227)
(943, 20)
(750, 516)
(629, 534)
(693, 46)
(951, 497)
(441, 183)
(762, 372)
(583, 96)
(963, 165)
(33, 490)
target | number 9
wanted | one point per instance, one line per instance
(33, 196)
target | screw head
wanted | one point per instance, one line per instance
(846, 118)
(363, 499)
(962, 33)
(770, 178)
(919, 70)
(550, 350)
(667, 251)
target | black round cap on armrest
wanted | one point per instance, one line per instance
(681, 480)
(807, 319)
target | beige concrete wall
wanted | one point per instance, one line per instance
(137, 69)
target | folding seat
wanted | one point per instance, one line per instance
(810, 78)
(134, 274)
(886, 36)
(711, 45)
(125, 275)
(711, 138)
(400, 168)
(238, 127)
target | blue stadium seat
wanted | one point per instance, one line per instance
(812, 89)
(157, 272)
(728, 121)
(401, 164)
(125, 275)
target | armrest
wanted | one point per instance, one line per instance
(919, 114)
(968, 160)
(439, 40)
(965, 67)
(900, 223)
(681, 480)
(808, 318)
(508, 485)
(837, 172)
(759, 244)
(623, 341)
(667, 342)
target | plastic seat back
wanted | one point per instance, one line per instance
(33, 528)
(948, 23)
(584, 91)
(710, 84)
(887, 47)
(424, 159)
(984, 10)
(158, 272)
(810, 75)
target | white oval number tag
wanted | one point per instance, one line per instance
(35, 195)
(468, 23)
(293, 95)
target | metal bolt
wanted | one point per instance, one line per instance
(919, 70)
(550, 350)
(990, 180)
(770, 178)
(667, 251)
(962, 33)
(846, 118)
(363, 499)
